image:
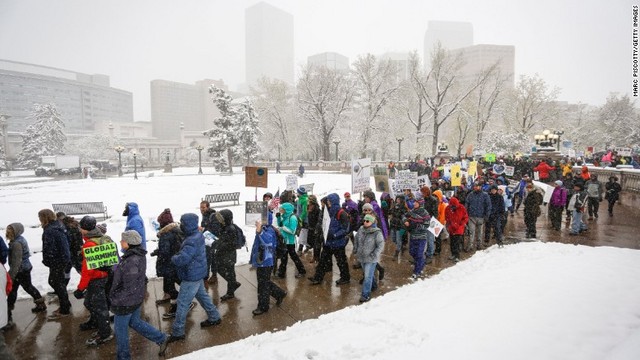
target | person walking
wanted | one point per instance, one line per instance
(395, 224)
(367, 248)
(127, 295)
(191, 264)
(20, 269)
(225, 253)
(478, 206)
(134, 221)
(595, 190)
(169, 241)
(495, 217)
(335, 243)
(457, 219)
(417, 222)
(210, 223)
(556, 204)
(55, 256)
(262, 257)
(613, 192)
(532, 202)
(287, 224)
(577, 204)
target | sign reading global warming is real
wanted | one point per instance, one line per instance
(101, 255)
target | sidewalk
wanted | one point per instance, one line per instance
(36, 338)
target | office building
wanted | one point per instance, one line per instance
(330, 60)
(478, 58)
(451, 34)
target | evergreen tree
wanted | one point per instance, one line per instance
(248, 132)
(44, 137)
(222, 136)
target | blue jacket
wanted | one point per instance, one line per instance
(191, 260)
(288, 224)
(55, 246)
(478, 204)
(264, 246)
(338, 228)
(128, 288)
(135, 222)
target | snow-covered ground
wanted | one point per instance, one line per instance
(525, 301)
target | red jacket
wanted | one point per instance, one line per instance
(543, 170)
(457, 217)
(87, 275)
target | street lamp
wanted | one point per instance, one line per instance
(400, 140)
(199, 148)
(337, 142)
(558, 133)
(119, 149)
(546, 139)
(135, 166)
(279, 154)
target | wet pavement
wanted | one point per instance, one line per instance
(34, 337)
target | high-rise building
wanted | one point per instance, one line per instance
(81, 99)
(400, 61)
(268, 43)
(451, 34)
(176, 106)
(330, 60)
(478, 58)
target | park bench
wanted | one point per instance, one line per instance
(86, 208)
(224, 197)
(99, 176)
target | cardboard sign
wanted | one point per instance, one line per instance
(256, 176)
(456, 175)
(406, 180)
(292, 182)
(254, 211)
(360, 175)
(308, 187)
(101, 255)
(382, 183)
(509, 170)
(473, 168)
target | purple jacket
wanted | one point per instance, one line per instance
(128, 288)
(558, 197)
(383, 220)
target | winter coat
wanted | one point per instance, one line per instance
(338, 228)
(210, 223)
(368, 244)
(191, 260)
(457, 217)
(225, 246)
(478, 204)
(595, 189)
(532, 203)
(128, 287)
(352, 209)
(55, 246)
(92, 238)
(288, 223)
(135, 222)
(584, 173)
(442, 206)
(75, 241)
(381, 219)
(578, 201)
(18, 252)
(301, 209)
(4, 251)
(397, 213)
(613, 190)
(543, 170)
(169, 241)
(264, 247)
(558, 197)
(418, 220)
(497, 205)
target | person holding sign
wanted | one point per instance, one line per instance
(262, 257)
(93, 281)
(127, 296)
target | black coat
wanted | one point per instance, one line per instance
(55, 246)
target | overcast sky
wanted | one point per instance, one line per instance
(582, 46)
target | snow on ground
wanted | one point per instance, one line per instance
(525, 301)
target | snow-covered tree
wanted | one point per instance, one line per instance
(532, 104)
(44, 137)
(618, 123)
(222, 136)
(510, 142)
(273, 99)
(93, 147)
(247, 132)
(324, 99)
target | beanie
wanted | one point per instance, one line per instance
(88, 223)
(131, 237)
(301, 191)
(102, 227)
(367, 206)
(371, 218)
(165, 218)
(559, 182)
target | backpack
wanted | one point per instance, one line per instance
(241, 240)
(339, 214)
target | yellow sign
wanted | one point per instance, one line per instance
(101, 255)
(473, 168)
(456, 175)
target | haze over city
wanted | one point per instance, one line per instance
(582, 47)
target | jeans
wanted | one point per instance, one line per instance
(189, 290)
(211, 264)
(577, 224)
(416, 250)
(121, 327)
(476, 231)
(430, 246)
(396, 237)
(369, 282)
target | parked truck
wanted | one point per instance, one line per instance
(59, 165)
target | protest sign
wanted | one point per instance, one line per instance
(101, 255)
(254, 211)
(360, 175)
(292, 182)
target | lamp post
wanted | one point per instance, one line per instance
(400, 140)
(199, 148)
(135, 166)
(558, 133)
(546, 139)
(279, 153)
(119, 149)
(337, 142)
(4, 124)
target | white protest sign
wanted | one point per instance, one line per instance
(424, 181)
(360, 175)
(509, 170)
(326, 221)
(406, 180)
(292, 182)
(446, 172)
(435, 227)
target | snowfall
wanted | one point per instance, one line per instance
(532, 300)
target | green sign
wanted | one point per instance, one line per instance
(491, 157)
(101, 255)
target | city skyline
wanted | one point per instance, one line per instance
(583, 47)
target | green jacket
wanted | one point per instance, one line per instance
(288, 223)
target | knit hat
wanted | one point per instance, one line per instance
(165, 218)
(367, 206)
(102, 227)
(558, 182)
(131, 237)
(347, 194)
(301, 190)
(370, 218)
(88, 223)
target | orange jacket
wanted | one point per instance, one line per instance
(87, 275)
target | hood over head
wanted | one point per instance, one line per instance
(225, 217)
(18, 229)
(189, 223)
(288, 209)
(133, 209)
(454, 202)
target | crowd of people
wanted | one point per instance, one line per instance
(192, 253)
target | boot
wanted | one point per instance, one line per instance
(40, 306)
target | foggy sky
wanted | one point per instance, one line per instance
(582, 46)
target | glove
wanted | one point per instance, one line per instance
(154, 253)
(278, 214)
(79, 294)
